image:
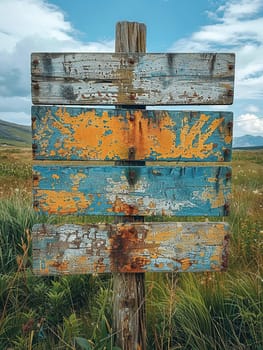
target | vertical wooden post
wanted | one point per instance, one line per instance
(129, 317)
(130, 37)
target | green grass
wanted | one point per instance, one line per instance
(20, 170)
(15, 172)
(185, 311)
(208, 311)
(14, 143)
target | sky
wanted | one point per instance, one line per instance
(28, 26)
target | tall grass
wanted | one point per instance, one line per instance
(210, 311)
(16, 220)
(206, 311)
(216, 311)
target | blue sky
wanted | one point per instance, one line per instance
(166, 20)
(172, 26)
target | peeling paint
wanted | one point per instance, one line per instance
(108, 135)
(64, 133)
(153, 79)
(83, 190)
(62, 202)
(132, 247)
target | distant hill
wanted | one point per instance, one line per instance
(14, 134)
(248, 141)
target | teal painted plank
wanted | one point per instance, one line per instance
(132, 79)
(131, 247)
(187, 191)
(106, 134)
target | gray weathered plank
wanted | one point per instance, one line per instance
(71, 133)
(132, 79)
(132, 247)
(135, 190)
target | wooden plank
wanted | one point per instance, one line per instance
(141, 247)
(122, 190)
(106, 134)
(132, 79)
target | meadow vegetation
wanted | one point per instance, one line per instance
(207, 311)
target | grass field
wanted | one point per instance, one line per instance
(184, 311)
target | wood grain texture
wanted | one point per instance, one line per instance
(132, 78)
(129, 308)
(122, 190)
(132, 247)
(68, 133)
(130, 37)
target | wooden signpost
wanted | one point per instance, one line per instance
(131, 189)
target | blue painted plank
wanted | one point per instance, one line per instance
(70, 133)
(131, 247)
(82, 190)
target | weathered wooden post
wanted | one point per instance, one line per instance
(130, 135)
(129, 316)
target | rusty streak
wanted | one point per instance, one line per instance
(125, 134)
(131, 247)
(135, 190)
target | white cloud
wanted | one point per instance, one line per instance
(15, 103)
(27, 26)
(240, 9)
(16, 117)
(252, 109)
(238, 28)
(248, 124)
(31, 18)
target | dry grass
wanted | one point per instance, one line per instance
(15, 171)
